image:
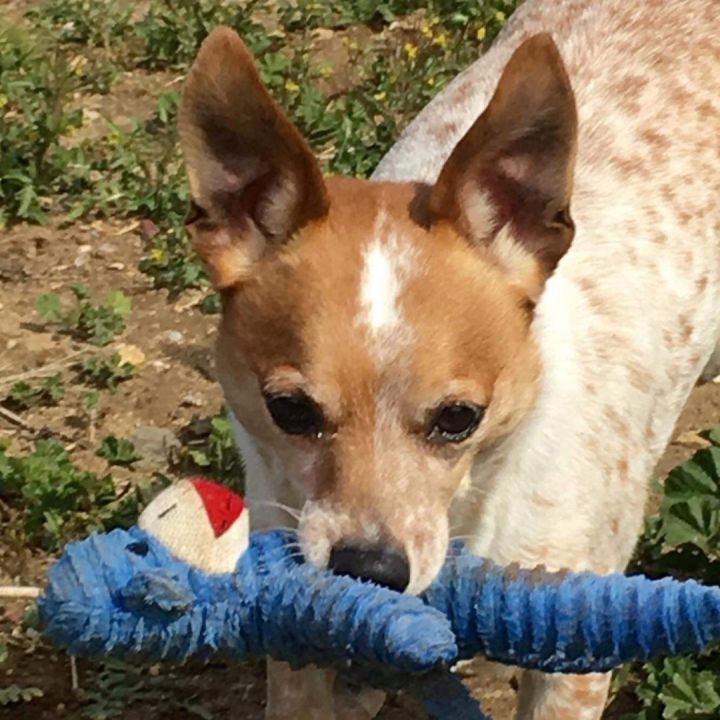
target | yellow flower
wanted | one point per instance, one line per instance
(326, 71)
(291, 86)
(3, 101)
(431, 81)
(440, 40)
(425, 30)
(411, 50)
(435, 20)
(481, 33)
(77, 64)
(500, 16)
(380, 96)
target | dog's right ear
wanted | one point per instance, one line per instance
(253, 179)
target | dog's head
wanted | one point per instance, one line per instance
(375, 335)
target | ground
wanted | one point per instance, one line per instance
(170, 342)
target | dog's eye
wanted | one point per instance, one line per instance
(295, 414)
(454, 422)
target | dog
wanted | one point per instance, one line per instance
(494, 336)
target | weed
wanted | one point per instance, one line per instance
(209, 448)
(103, 373)
(57, 501)
(14, 694)
(23, 395)
(119, 685)
(683, 540)
(95, 324)
(36, 86)
(56, 498)
(118, 451)
(84, 21)
(172, 30)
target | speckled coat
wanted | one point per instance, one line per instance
(632, 313)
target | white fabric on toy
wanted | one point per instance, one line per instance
(201, 523)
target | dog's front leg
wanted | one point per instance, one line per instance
(306, 694)
(562, 697)
(314, 694)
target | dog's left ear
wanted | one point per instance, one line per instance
(508, 182)
(254, 181)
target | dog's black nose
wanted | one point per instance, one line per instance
(382, 565)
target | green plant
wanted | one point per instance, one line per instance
(24, 396)
(118, 686)
(95, 324)
(103, 373)
(54, 497)
(683, 540)
(92, 22)
(15, 694)
(209, 447)
(118, 451)
(172, 30)
(37, 169)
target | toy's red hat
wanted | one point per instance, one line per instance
(222, 505)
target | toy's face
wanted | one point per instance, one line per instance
(200, 523)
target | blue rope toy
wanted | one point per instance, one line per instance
(190, 581)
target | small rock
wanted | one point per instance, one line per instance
(116, 266)
(104, 250)
(154, 443)
(190, 299)
(81, 259)
(322, 34)
(193, 400)
(148, 229)
(174, 337)
(160, 365)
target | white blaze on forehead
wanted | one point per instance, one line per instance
(387, 263)
(380, 288)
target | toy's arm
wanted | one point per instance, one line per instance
(571, 622)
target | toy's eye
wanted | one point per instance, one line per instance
(138, 548)
(454, 422)
(295, 414)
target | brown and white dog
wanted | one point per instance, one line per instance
(494, 337)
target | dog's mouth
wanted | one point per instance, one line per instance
(407, 559)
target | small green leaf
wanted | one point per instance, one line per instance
(118, 451)
(49, 307)
(118, 302)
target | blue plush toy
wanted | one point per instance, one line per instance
(190, 581)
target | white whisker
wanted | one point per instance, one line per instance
(293, 512)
